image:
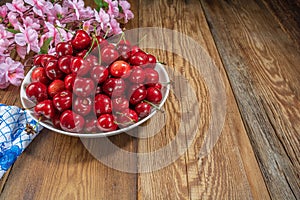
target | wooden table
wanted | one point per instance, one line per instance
(255, 47)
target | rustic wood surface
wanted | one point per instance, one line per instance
(256, 50)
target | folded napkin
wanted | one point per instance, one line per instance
(17, 130)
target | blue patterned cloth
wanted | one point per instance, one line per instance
(14, 137)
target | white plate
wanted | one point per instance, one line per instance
(26, 103)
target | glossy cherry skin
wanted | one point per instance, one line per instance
(91, 125)
(99, 73)
(154, 95)
(142, 109)
(93, 60)
(157, 85)
(131, 88)
(64, 63)
(64, 48)
(124, 49)
(56, 121)
(39, 75)
(52, 71)
(81, 40)
(109, 54)
(106, 123)
(69, 81)
(127, 118)
(138, 95)
(71, 122)
(45, 109)
(37, 60)
(63, 100)
(151, 76)
(137, 76)
(83, 87)
(114, 87)
(151, 61)
(103, 104)
(139, 58)
(37, 91)
(82, 105)
(119, 104)
(133, 50)
(79, 66)
(47, 58)
(55, 87)
(120, 69)
(101, 41)
(82, 53)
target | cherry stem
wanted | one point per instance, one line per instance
(143, 38)
(155, 106)
(106, 33)
(130, 120)
(90, 49)
(64, 29)
(121, 38)
(37, 123)
(163, 63)
(60, 35)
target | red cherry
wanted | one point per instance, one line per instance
(83, 87)
(71, 122)
(81, 40)
(52, 70)
(93, 60)
(124, 49)
(127, 118)
(152, 76)
(55, 87)
(79, 66)
(64, 63)
(114, 87)
(37, 60)
(69, 81)
(120, 69)
(132, 88)
(101, 41)
(63, 100)
(109, 54)
(106, 122)
(36, 91)
(45, 108)
(133, 50)
(46, 58)
(39, 75)
(138, 95)
(153, 95)
(137, 76)
(139, 58)
(56, 121)
(143, 109)
(99, 73)
(64, 48)
(120, 104)
(91, 125)
(151, 61)
(82, 53)
(82, 105)
(103, 104)
(157, 85)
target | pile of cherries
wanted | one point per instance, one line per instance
(86, 91)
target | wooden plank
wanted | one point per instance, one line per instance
(263, 68)
(230, 170)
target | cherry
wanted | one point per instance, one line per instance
(46, 58)
(52, 70)
(137, 76)
(55, 87)
(39, 75)
(45, 108)
(101, 41)
(36, 91)
(99, 73)
(138, 95)
(103, 104)
(69, 81)
(143, 109)
(82, 53)
(120, 104)
(157, 85)
(64, 48)
(56, 121)
(82, 105)
(119, 69)
(91, 125)
(98, 89)
(71, 122)
(37, 60)
(109, 54)
(127, 118)
(133, 50)
(151, 61)
(132, 88)
(93, 60)
(114, 87)
(80, 66)
(153, 95)
(139, 58)
(83, 87)
(81, 40)
(124, 48)
(152, 76)
(63, 100)
(64, 63)
(106, 122)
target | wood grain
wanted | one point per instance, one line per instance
(262, 65)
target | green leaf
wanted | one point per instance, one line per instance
(100, 4)
(45, 47)
(120, 9)
(12, 30)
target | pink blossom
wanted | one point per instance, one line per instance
(127, 14)
(77, 5)
(11, 72)
(28, 37)
(57, 34)
(13, 19)
(115, 26)
(31, 22)
(58, 12)
(3, 11)
(101, 17)
(17, 6)
(4, 41)
(113, 8)
(40, 6)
